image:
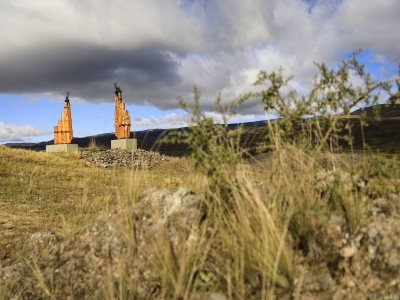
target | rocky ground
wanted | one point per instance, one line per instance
(139, 158)
(364, 265)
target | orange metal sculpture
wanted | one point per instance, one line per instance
(63, 131)
(122, 119)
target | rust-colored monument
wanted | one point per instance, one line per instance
(63, 132)
(122, 122)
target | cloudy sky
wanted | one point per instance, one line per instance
(157, 50)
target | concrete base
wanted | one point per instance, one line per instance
(62, 148)
(127, 144)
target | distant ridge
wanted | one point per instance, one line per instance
(381, 134)
(386, 111)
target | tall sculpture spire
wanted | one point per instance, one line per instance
(122, 119)
(63, 130)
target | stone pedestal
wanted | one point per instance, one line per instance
(62, 148)
(127, 144)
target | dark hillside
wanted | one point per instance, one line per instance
(381, 134)
(386, 111)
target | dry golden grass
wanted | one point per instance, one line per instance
(45, 191)
(245, 245)
(59, 193)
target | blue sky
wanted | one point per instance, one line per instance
(87, 119)
(157, 50)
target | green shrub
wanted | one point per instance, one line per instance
(322, 118)
(215, 151)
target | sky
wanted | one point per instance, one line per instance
(156, 50)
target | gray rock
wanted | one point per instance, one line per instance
(372, 232)
(394, 260)
(336, 219)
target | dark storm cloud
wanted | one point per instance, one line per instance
(87, 71)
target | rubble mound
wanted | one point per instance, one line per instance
(139, 158)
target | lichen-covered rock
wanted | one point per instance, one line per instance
(329, 182)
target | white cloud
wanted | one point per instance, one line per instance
(167, 121)
(176, 121)
(380, 58)
(369, 25)
(217, 117)
(12, 131)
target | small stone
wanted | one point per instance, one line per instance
(351, 284)
(335, 219)
(393, 261)
(372, 232)
(348, 251)
(371, 251)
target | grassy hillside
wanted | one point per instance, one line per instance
(40, 191)
(59, 193)
(260, 237)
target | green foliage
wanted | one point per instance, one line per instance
(214, 149)
(322, 118)
(381, 166)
